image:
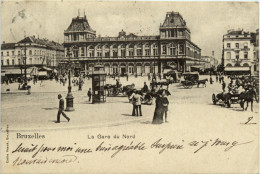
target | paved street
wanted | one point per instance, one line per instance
(192, 116)
(38, 110)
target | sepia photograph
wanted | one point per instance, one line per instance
(129, 87)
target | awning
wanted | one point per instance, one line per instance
(198, 66)
(240, 68)
(45, 69)
(17, 71)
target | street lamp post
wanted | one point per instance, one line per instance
(69, 98)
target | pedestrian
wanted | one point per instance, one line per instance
(133, 102)
(138, 103)
(89, 94)
(137, 98)
(223, 86)
(165, 102)
(126, 77)
(61, 109)
(149, 76)
(145, 88)
(158, 112)
(216, 78)
(210, 79)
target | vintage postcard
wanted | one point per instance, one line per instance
(129, 87)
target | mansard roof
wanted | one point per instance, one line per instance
(173, 19)
(79, 24)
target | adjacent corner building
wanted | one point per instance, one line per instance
(241, 51)
(129, 53)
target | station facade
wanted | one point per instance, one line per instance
(128, 53)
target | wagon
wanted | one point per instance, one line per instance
(189, 79)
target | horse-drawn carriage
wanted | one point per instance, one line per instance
(235, 97)
(115, 90)
(162, 83)
(190, 79)
(227, 98)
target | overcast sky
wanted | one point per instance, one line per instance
(207, 21)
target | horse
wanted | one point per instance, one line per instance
(128, 87)
(248, 96)
(202, 82)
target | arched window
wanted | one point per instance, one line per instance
(245, 64)
(115, 46)
(229, 65)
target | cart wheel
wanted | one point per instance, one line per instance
(228, 102)
(214, 99)
(189, 84)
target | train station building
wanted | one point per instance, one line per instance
(128, 53)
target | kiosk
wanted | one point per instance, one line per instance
(98, 84)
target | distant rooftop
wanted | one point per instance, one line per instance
(6, 46)
(44, 41)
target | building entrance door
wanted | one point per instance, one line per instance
(123, 71)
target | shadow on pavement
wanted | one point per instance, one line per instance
(146, 122)
(127, 115)
(55, 108)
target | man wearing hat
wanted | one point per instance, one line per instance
(61, 109)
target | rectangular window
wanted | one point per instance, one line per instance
(7, 61)
(181, 49)
(172, 51)
(122, 53)
(139, 52)
(107, 54)
(228, 45)
(131, 53)
(2, 62)
(237, 55)
(13, 53)
(147, 52)
(30, 52)
(34, 52)
(2, 54)
(237, 45)
(155, 52)
(7, 53)
(114, 53)
(164, 49)
(246, 55)
(19, 53)
(91, 53)
(12, 61)
(19, 61)
(82, 52)
(228, 55)
(99, 54)
(245, 45)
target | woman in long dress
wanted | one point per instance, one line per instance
(158, 112)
